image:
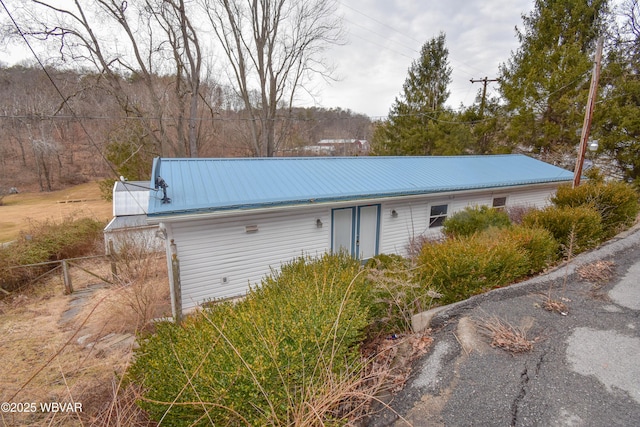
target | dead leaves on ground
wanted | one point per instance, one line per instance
(392, 357)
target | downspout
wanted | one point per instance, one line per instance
(174, 279)
(174, 284)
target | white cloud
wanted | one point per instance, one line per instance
(386, 36)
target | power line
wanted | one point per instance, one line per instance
(402, 33)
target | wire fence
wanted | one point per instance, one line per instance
(64, 266)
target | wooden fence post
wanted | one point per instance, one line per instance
(112, 257)
(66, 276)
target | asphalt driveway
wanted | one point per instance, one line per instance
(583, 369)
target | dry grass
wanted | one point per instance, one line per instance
(41, 362)
(42, 359)
(131, 305)
(504, 335)
(50, 356)
(555, 306)
(386, 365)
(79, 201)
(597, 272)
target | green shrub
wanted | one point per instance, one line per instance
(582, 222)
(539, 245)
(616, 202)
(474, 219)
(263, 360)
(461, 267)
(44, 242)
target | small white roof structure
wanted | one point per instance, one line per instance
(130, 198)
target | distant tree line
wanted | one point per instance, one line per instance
(52, 144)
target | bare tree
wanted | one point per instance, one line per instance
(172, 17)
(271, 48)
(131, 38)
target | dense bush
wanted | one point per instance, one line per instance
(473, 219)
(539, 245)
(517, 213)
(263, 360)
(616, 202)
(461, 267)
(46, 242)
(582, 224)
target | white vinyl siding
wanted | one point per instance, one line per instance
(412, 217)
(219, 259)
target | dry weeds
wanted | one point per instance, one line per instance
(597, 272)
(504, 335)
(131, 305)
(391, 358)
(555, 306)
(42, 359)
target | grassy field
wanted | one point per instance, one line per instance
(79, 201)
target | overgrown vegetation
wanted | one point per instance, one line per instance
(287, 354)
(616, 202)
(583, 221)
(46, 241)
(397, 294)
(473, 219)
(461, 267)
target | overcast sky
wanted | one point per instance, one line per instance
(385, 36)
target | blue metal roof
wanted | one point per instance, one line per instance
(207, 185)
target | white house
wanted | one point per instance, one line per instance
(232, 220)
(129, 225)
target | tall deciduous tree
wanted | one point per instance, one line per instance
(618, 115)
(545, 82)
(271, 47)
(142, 38)
(417, 124)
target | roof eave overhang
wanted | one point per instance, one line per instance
(205, 213)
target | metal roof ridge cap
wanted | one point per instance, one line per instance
(319, 158)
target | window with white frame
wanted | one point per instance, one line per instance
(437, 215)
(499, 203)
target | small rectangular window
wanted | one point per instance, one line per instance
(437, 215)
(499, 202)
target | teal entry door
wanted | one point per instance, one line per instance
(356, 230)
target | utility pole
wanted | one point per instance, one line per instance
(484, 92)
(588, 115)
